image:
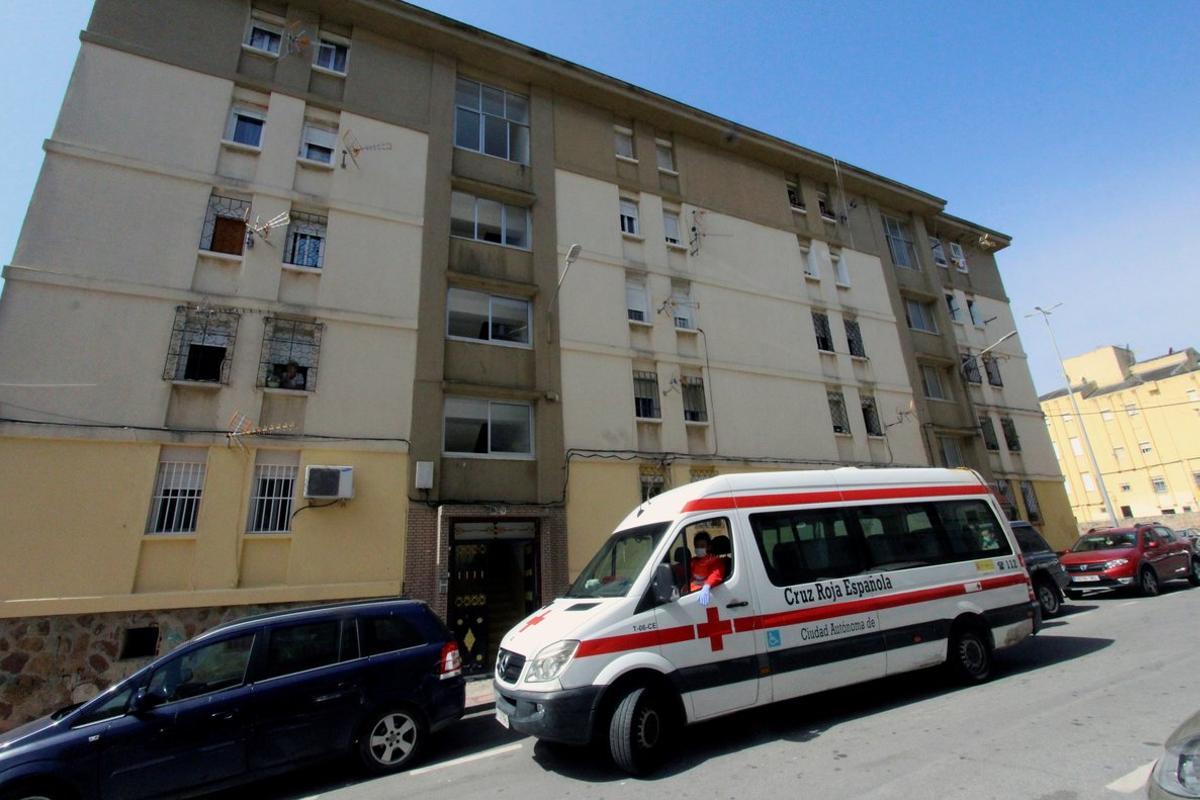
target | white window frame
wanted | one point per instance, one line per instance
(504, 212)
(483, 116)
(808, 261)
(1159, 484)
(1193, 396)
(636, 292)
(973, 311)
(659, 146)
(676, 240)
(1089, 484)
(1107, 416)
(939, 252)
(1131, 409)
(958, 257)
(925, 315)
(629, 217)
(316, 135)
(1076, 445)
(326, 40)
(504, 455)
(248, 113)
(825, 207)
(840, 270)
(181, 470)
(1119, 453)
(928, 372)
(1145, 448)
(268, 27)
(682, 307)
(621, 133)
(491, 299)
(272, 512)
(899, 235)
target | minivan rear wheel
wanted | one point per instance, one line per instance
(970, 655)
(640, 730)
(391, 740)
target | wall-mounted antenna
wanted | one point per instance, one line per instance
(263, 229)
(296, 39)
(351, 147)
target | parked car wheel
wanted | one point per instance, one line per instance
(970, 655)
(391, 740)
(1147, 582)
(1049, 599)
(640, 730)
(1194, 573)
(30, 791)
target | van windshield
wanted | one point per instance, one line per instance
(614, 569)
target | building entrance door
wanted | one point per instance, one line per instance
(493, 584)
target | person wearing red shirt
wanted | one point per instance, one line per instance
(707, 570)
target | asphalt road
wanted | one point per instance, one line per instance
(1079, 711)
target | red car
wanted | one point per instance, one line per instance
(1140, 557)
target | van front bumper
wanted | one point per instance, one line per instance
(563, 716)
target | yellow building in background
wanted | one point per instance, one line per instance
(1143, 421)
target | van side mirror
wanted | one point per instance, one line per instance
(663, 584)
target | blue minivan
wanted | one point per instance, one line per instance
(248, 699)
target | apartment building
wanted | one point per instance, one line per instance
(1143, 421)
(296, 315)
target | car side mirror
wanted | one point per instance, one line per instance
(1151, 544)
(663, 584)
(144, 700)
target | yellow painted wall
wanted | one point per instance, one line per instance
(1058, 525)
(599, 495)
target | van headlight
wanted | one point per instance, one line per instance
(1178, 771)
(550, 661)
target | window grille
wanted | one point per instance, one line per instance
(1032, 509)
(900, 243)
(970, 368)
(225, 225)
(695, 409)
(821, 328)
(652, 480)
(702, 473)
(939, 252)
(201, 345)
(271, 499)
(290, 353)
(837, 410)
(824, 206)
(989, 433)
(795, 197)
(1010, 434)
(1005, 496)
(176, 500)
(854, 338)
(993, 371)
(305, 246)
(645, 395)
(491, 121)
(870, 414)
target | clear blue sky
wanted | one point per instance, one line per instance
(1072, 126)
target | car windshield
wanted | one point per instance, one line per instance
(1103, 541)
(614, 569)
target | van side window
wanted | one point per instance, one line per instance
(385, 634)
(805, 546)
(973, 530)
(902, 535)
(679, 556)
(296, 648)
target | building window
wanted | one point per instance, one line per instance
(920, 316)
(264, 37)
(824, 334)
(840, 270)
(1067, 418)
(623, 142)
(954, 308)
(332, 55)
(1005, 496)
(491, 121)
(900, 243)
(1088, 483)
(1076, 447)
(809, 261)
(970, 368)
(854, 338)
(245, 126)
(795, 196)
(1057, 452)
(1125, 487)
(989, 433)
(201, 346)
(139, 643)
(1127, 512)
(701, 473)
(1196, 479)
(695, 407)
(671, 227)
(645, 395)
(637, 300)
(317, 143)
(271, 497)
(973, 310)
(958, 256)
(993, 371)
(474, 426)
(665, 153)
(177, 491)
(933, 382)
(1193, 396)
(1119, 453)
(629, 217)
(939, 252)
(1010, 434)
(682, 307)
(225, 225)
(652, 481)
(488, 221)
(837, 411)
(825, 206)
(305, 245)
(1033, 511)
(951, 455)
(1145, 448)
(1160, 485)
(1131, 409)
(290, 353)
(487, 318)
(870, 414)
(1107, 416)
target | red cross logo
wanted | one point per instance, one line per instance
(534, 621)
(714, 629)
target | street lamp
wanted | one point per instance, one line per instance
(569, 259)
(996, 343)
(1087, 443)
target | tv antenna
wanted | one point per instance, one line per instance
(241, 426)
(263, 229)
(352, 147)
(986, 242)
(296, 39)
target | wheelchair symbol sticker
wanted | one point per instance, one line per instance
(774, 639)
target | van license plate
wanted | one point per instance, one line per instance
(1084, 578)
(502, 718)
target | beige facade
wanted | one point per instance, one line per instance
(1143, 421)
(337, 230)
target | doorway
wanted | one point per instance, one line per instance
(494, 583)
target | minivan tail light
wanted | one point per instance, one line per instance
(450, 663)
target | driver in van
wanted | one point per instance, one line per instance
(707, 569)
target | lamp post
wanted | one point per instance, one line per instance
(569, 259)
(1087, 443)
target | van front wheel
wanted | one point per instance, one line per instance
(640, 730)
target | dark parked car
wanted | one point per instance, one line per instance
(249, 699)
(1049, 578)
(1139, 557)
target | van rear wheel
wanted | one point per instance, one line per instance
(640, 730)
(970, 656)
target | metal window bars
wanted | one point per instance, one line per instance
(221, 207)
(989, 433)
(1010, 434)
(271, 499)
(652, 480)
(837, 411)
(695, 408)
(854, 339)
(870, 414)
(305, 246)
(993, 371)
(176, 501)
(290, 342)
(1032, 509)
(970, 368)
(645, 395)
(824, 334)
(199, 337)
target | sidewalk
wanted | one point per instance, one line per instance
(479, 691)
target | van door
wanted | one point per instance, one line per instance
(715, 657)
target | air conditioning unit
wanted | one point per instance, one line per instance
(328, 483)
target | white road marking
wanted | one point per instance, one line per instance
(1132, 782)
(454, 762)
(1128, 603)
